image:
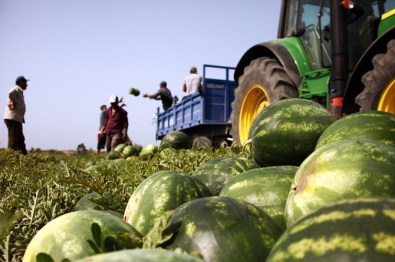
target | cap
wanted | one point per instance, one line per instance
(21, 79)
(193, 69)
(163, 83)
(113, 99)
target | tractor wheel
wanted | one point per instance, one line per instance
(379, 91)
(264, 81)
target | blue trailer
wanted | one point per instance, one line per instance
(206, 113)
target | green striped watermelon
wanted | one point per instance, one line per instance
(353, 230)
(128, 151)
(148, 151)
(161, 192)
(376, 125)
(345, 169)
(142, 255)
(215, 173)
(66, 237)
(119, 148)
(286, 132)
(134, 91)
(114, 155)
(265, 187)
(176, 140)
(202, 142)
(219, 229)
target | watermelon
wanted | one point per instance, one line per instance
(134, 91)
(90, 202)
(176, 140)
(353, 230)
(286, 132)
(86, 203)
(142, 255)
(376, 125)
(119, 148)
(114, 155)
(148, 151)
(161, 192)
(66, 237)
(265, 187)
(215, 173)
(202, 142)
(219, 229)
(346, 169)
(128, 151)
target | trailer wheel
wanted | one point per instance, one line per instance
(379, 91)
(264, 81)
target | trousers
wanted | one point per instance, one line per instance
(16, 139)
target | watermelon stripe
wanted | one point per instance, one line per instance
(346, 169)
(161, 192)
(353, 230)
(376, 125)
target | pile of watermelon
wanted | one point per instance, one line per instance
(309, 189)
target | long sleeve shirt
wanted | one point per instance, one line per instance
(15, 95)
(116, 121)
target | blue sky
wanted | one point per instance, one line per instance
(77, 53)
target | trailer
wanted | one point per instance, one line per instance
(206, 113)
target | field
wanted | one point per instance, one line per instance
(41, 186)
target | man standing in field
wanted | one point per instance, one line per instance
(14, 115)
(101, 141)
(116, 124)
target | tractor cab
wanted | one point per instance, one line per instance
(310, 20)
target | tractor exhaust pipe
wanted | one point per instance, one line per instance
(339, 57)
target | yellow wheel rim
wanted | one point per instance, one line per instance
(387, 99)
(254, 101)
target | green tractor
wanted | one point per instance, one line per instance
(340, 54)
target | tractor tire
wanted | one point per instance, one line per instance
(264, 81)
(379, 83)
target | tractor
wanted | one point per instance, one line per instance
(338, 53)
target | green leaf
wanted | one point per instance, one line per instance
(111, 244)
(96, 233)
(95, 248)
(44, 257)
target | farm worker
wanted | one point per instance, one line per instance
(101, 139)
(192, 82)
(116, 124)
(14, 115)
(163, 94)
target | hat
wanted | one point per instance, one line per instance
(21, 79)
(193, 69)
(163, 83)
(113, 99)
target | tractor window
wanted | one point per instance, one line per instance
(313, 19)
(364, 28)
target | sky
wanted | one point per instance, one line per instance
(77, 53)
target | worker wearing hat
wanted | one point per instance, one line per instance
(116, 124)
(14, 115)
(192, 82)
(163, 94)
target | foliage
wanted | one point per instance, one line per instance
(38, 187)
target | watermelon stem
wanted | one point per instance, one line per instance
(247, 146)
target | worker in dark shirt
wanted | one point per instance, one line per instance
(116, 125)
(163, 94)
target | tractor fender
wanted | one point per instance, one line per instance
(274, 50)
(364, 64)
